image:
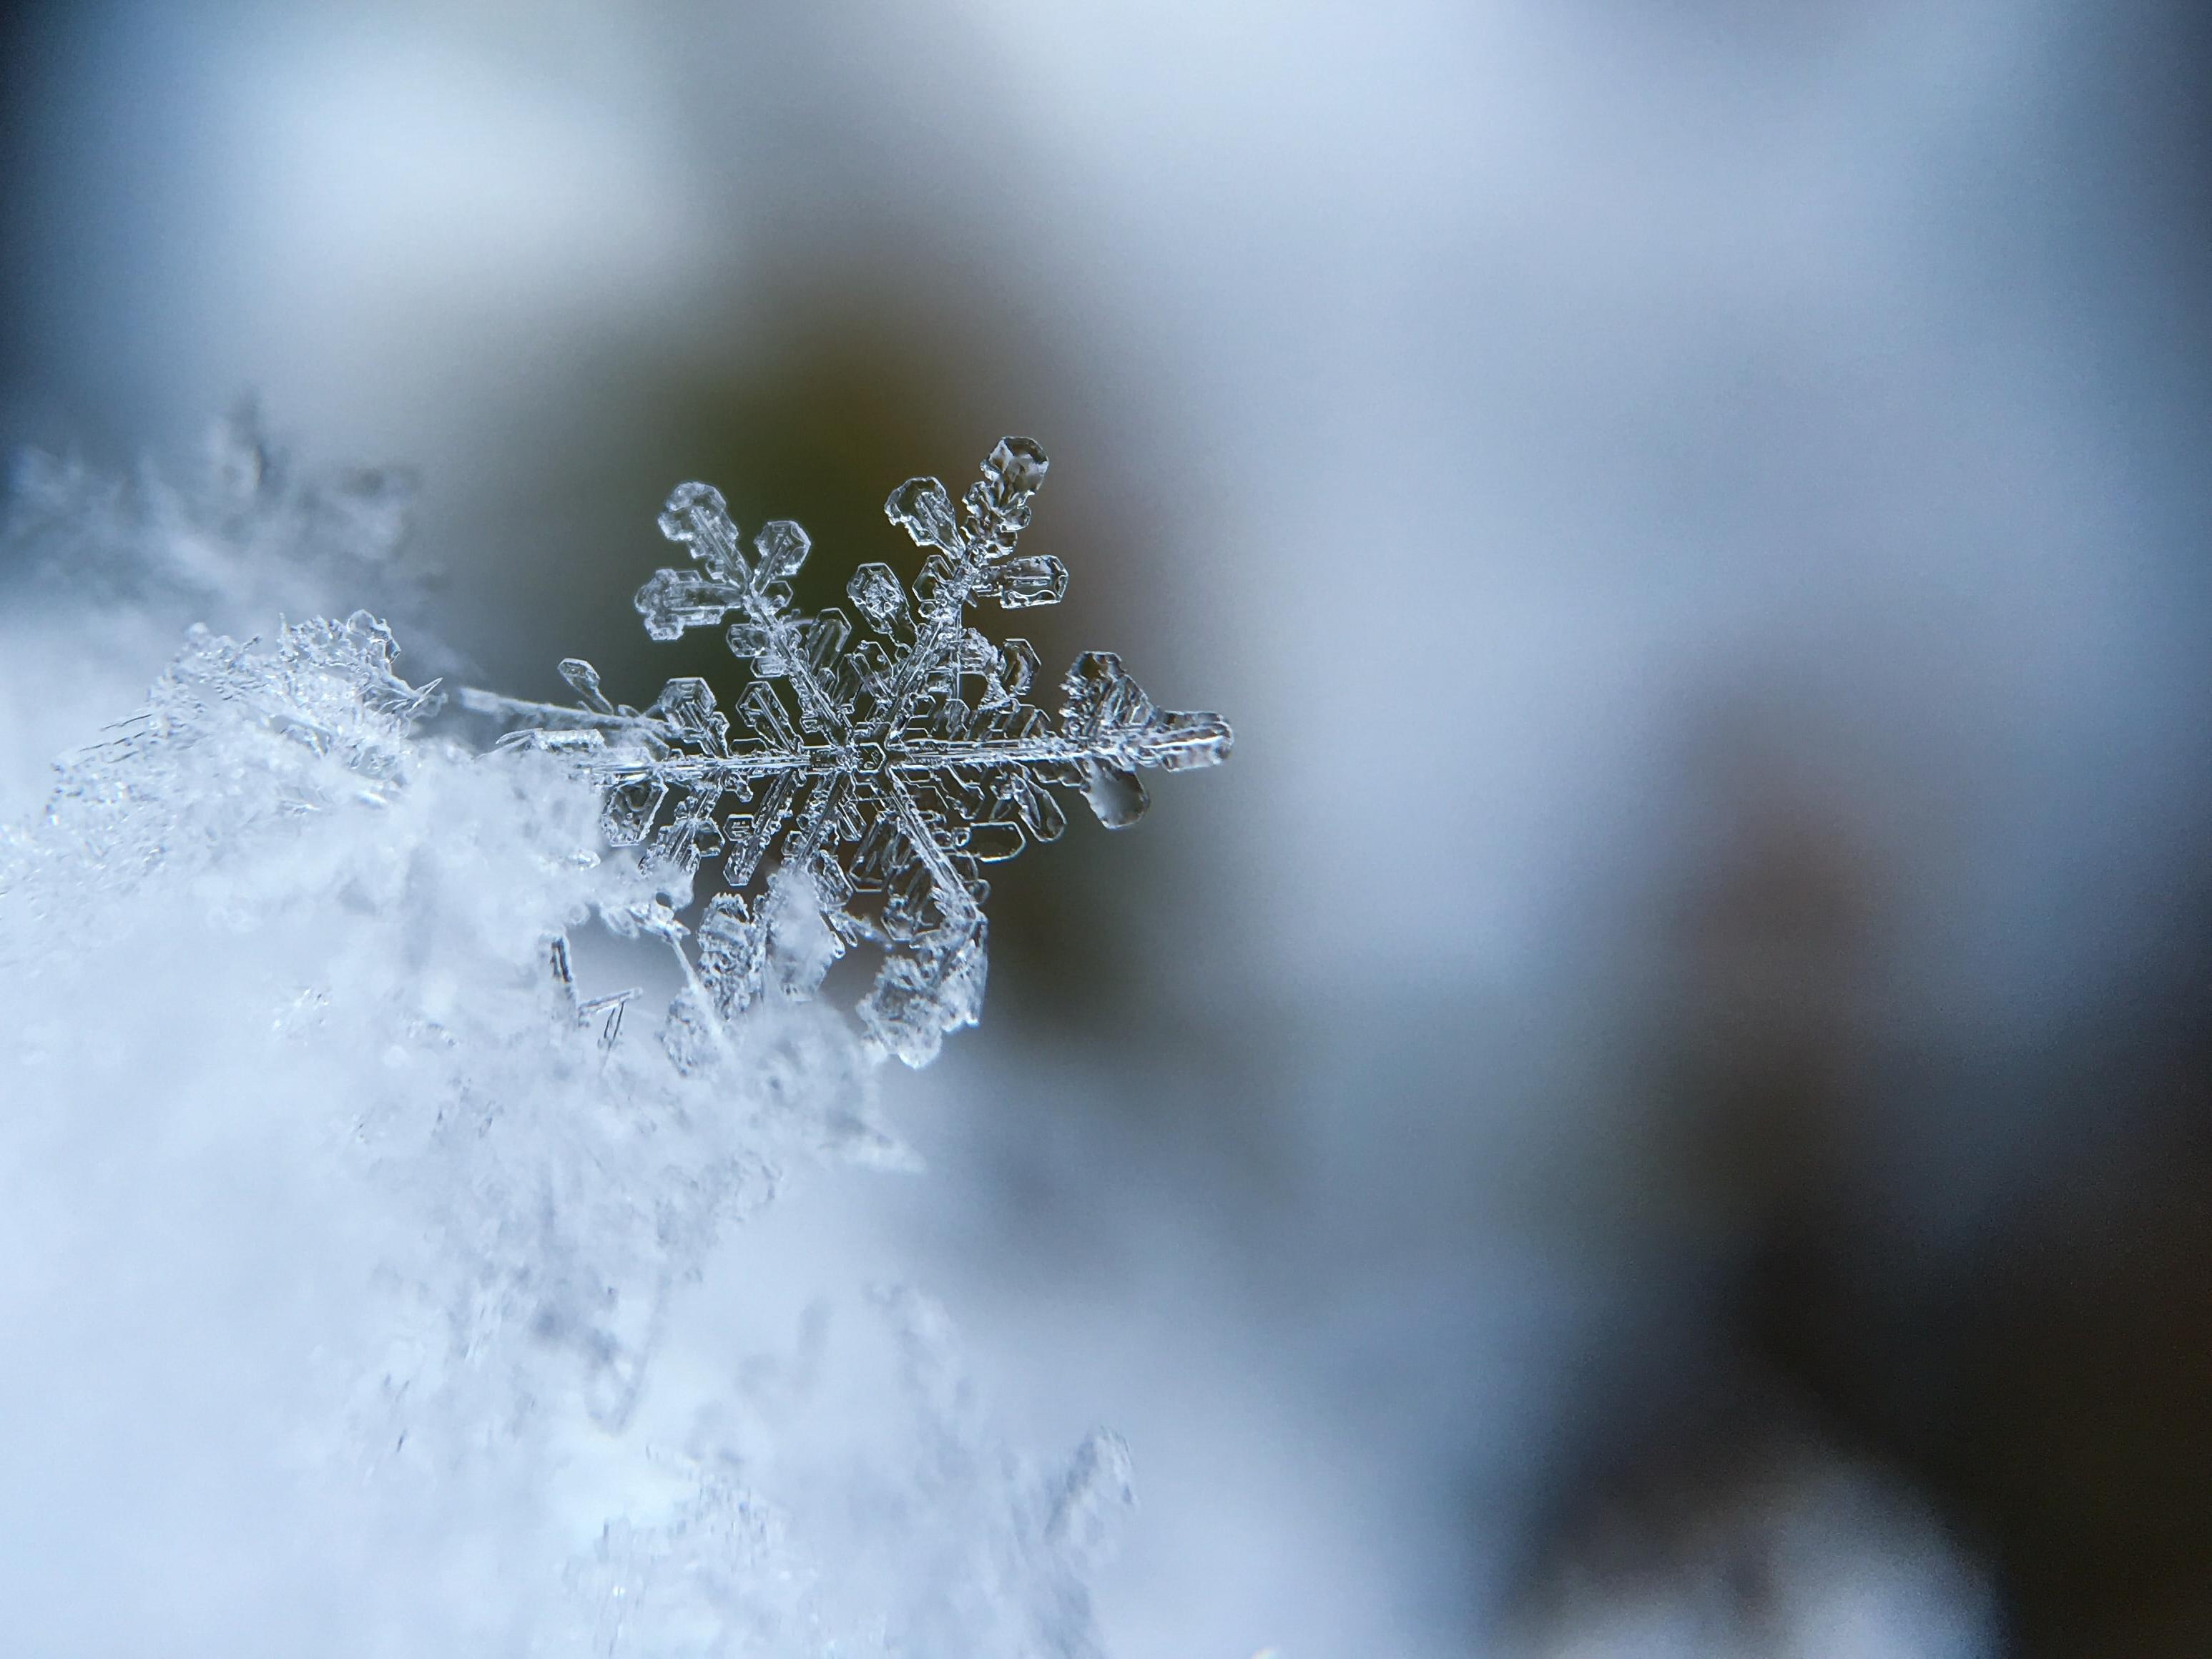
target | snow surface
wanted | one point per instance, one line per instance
(344, 1234)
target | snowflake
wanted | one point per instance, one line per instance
(893, 766)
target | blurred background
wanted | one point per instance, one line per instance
(1658, 1105)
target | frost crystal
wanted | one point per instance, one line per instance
(98, 576)
(892, 766)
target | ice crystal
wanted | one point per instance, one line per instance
(884, 769)
(100, 575)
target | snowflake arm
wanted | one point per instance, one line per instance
(892, 768)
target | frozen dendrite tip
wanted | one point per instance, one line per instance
(879, 768)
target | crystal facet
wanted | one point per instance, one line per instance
(880, 774)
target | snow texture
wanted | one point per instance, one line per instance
(343, 1238)
(100, 576)
(902, 762)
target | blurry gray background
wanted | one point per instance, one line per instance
(1658, 1104)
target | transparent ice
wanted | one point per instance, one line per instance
(883, 768)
